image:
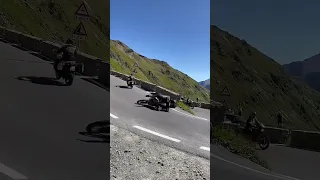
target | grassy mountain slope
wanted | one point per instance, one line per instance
(54, 20)
(122, 59)
(258, 83)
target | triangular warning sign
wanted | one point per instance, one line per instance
(81, 31)
(82, 10)
(225, 92)
(224, 102)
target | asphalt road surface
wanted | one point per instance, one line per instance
(296, 162)
(41, 120)
(225, 165)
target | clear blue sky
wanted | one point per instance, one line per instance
(286, 30)
(175, 31)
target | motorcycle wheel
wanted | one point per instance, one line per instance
(93, 128)
(142, 102)
(69, 79)
(263, 142)
(58, 76)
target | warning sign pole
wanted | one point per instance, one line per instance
(81, 15)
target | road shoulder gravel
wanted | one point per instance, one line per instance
(135, 157)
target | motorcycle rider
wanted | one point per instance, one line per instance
(252, 121)
(129, 78)
(69, 52)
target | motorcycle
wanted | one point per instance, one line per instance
(190, 104)
(66, 70)
(173, 103)
(257, 133)
(130, 84)
(159, 103)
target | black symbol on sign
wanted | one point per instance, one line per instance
(224, 102)
(82, 10)
(225, 92)
(80, 31)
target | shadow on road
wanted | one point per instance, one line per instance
(148, 106)
(41, 56)
(124, 87)
(99, 130)
(41, 80)
(95, 82)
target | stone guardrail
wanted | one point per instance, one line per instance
(148, 86)
(309, 140)
(276, 135)
(46, 49)
(200, 104)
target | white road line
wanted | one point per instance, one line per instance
(191, 115)
(205, 148)
(256, 171)
(157, 134)
(115, 117)
(11, 173)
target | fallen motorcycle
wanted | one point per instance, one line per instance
(190, 104)
(159, 102)
(173, 103)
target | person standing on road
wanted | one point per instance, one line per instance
(280, 120)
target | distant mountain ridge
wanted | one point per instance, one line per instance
(307, 70)
(205, 84)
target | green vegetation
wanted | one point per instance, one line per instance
(237, 144)
(123, 58)
(258, 83)
(54, 21)
(184, 107)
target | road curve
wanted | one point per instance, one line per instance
(41, 120)
(175, 128)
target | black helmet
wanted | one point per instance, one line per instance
(69, 41)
